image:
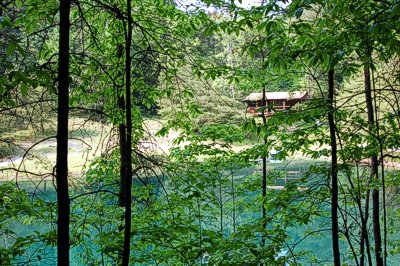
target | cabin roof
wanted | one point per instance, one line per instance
(279, 95)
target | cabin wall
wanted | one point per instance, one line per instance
(272, 106)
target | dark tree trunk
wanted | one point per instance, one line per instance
(264, 162)
(373, 172)
(122, 133)
(233, 200)
(128, 151)
(264, 166)
(62, 137)
(364, 241)
(334, 169)
(122, 150)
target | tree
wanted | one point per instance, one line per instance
(334, 169)
(63, 242)
(207, 200)
(128, 148)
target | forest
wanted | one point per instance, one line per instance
(210, 132)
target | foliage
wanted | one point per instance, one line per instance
(201, 202)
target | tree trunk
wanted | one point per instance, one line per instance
(334, 170)
(364, 241)
(121, 132)
(128, 151)
(231, 64)
(62, 137)
(233, 200)
(373, 172)
(264, 162)
(122, 150)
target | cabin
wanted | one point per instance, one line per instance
(275, 101)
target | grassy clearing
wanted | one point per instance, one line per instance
(36, 157)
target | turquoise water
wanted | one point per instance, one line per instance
(319, 245)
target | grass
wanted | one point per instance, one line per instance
(88, 140)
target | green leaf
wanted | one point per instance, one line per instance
(24, 89)
(11, 48)
(298, 12)
(249, 24)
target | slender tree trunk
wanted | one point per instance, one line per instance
(382, 164)
(200, 229)
(3, 53)
(231, 64)
(264, 181)
(122, 150)
(233, 201)
(221, 209)
(264, 162)
(128, 152)
(384, 209)
(264, 168)
(121, 132)
(62, 137)
(364, 239)
(373, 172)
(334, 170)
